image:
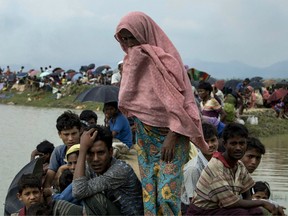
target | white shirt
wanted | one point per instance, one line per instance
(192, 171)
(116, 77)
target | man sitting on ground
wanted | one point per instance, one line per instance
(120, 128)
(225, 178)
(110, 186)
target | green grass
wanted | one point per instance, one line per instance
(47, 99)
(268, 124)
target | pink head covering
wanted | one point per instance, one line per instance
(155, 86)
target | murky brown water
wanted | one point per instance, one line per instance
(274, 167)
(22, 128)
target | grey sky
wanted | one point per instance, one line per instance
(80, 32)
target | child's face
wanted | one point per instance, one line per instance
(260, 195)
(212, 143)
(251, 159)
(30, 196)
(70, 136)
(72, 161)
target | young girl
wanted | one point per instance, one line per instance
(261, 190)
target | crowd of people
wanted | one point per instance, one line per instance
(174, 128)
(56, 80)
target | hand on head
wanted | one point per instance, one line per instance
(87, 139)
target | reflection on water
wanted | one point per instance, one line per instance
(274, 167)
(22, 128)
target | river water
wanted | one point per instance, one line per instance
(22, 128)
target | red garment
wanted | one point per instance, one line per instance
(155, 86)
(22, 212)
(220, 157)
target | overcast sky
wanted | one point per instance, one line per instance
(80, 32)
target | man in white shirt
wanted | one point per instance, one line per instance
(116, 77)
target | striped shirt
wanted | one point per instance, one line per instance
(220, 185)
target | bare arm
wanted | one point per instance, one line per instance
(255, 203)
(86, 141)
(35, 153)
(223, 115)
(168, 147)
(50, 175)
(114, 134)
(59, 172)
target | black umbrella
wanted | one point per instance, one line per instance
(12, 204)
(232, 83)
(99, 69)
(281, 84)
(91, 66)
(256, 79)
(101, 93)
(256, 84)
(22, 75)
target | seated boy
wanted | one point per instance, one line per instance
(68, 125)
(44, 150)
(118, 124)
(225, 178)
(192, 170)
(29, 192)
(253, 155)
(87, 118)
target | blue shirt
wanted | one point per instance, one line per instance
(57, 157)
(122, 127)
(66, 195)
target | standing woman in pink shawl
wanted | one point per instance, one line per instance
(156, 91)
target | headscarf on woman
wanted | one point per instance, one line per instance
(155, 86)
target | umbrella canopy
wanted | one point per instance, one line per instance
(232, 83)
(211, 80)
(76, 77)
(268, 82)
(45, 73)
(101, 93)
(91, 66)
(70, 73)
(109, 72)
(277, 95)
(256, 84)
(12, 204)
(22, 75)
(281, 84)
(256, 79)
(33, 72)
(198, 75)
(57, 70)
(99, 69)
